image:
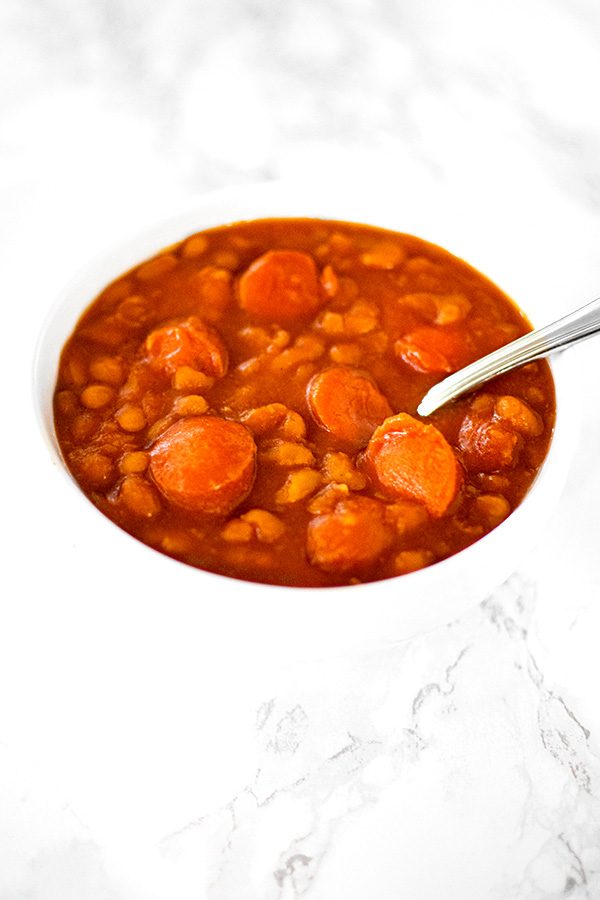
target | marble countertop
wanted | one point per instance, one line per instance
(461, 765)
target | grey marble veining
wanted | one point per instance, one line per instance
(392, 769)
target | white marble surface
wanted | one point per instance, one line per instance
(463, 765)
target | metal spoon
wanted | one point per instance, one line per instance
(570, 329)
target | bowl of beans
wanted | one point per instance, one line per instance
(233, 395)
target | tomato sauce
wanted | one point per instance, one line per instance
(245, 401)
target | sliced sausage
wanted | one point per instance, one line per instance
(493, 430)
(204, 464)
(429, 349)
(280, 285)
(187, 343)
(347, 403)
(412, 459)
(350, 537)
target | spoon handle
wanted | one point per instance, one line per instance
(570, 329)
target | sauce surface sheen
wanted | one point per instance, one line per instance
(245, 401)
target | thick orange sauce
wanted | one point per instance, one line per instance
(246, 402)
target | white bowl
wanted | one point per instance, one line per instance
(309, 622)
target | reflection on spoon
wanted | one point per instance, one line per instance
(572, 328)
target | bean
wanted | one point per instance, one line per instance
(412, 560)
(298, 486)
(67, 403)
(236, 531)
(332, 323)
(451, 308)
(385, 255)
(95, 396)
(275, 418)
(327, 499)
(305, 349)
(187, 379)
(329, 281)
(227, 259)
(406, 516)
(138, 495)
(194, 246)
(268, 527)
(135, 310)
(159, 427)
(519, 416)
(108, 369)
(131, 418)
(95, 470)
(346, 354)
(82, 428)
(176, 543)
(212, 286)
(287, 453)
(493, 507)
(339, 468)
(156, 267)
(421, 302)
(133, 463)
(190, 405)
(361, 318)
(75, 370)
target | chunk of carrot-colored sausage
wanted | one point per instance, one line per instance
(487, 446)
(353, 535)
(412, 459)
(204, 464)
(346, 403)
(188, 343)
(488, 442)
(433, 349)
(280, 285)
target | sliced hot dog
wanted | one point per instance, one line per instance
(187, 343)
(429, 349)
(347, 403)
(280, 285)
(412, 459)
(350, 537)
(204, 464)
